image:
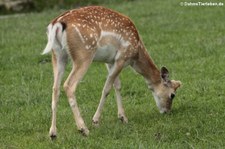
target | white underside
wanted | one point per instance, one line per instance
(105, 53)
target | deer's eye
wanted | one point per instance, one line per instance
(172, 96)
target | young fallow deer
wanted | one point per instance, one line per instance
(99, 34)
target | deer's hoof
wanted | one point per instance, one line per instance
(123, 119)
(52, 133)
(95, 123)
(84, 131)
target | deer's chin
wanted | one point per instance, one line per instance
(164, 111)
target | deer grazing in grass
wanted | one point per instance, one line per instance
(96, 33)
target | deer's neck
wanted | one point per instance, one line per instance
(146, 67)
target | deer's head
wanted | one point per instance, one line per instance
(165, 91)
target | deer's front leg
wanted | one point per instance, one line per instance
(113, 73)
(121, 113)
(117, 87)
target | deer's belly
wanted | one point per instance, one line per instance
(105, 53)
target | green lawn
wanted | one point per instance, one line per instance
(190, 41)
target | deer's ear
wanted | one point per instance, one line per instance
(176, 84)
(164, 74)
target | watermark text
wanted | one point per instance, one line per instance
(202, 4)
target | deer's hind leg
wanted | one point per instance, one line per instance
(59, 61)
(81, 59)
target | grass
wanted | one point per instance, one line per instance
(188, 40)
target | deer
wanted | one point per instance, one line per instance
(98, 34)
